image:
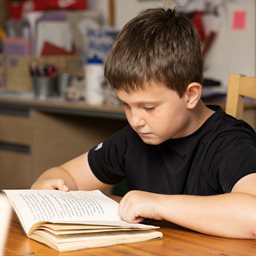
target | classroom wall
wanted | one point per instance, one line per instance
(100, 5)
(234, 47)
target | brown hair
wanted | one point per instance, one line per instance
(159, 45)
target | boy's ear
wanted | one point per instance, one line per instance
(193, 94)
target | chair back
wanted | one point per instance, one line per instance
(5, 217)
(239, 87)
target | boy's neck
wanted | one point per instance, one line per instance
(200, 114)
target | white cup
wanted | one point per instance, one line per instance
(94, 83)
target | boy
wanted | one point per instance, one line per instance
(184, 162)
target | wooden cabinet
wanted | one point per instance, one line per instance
(15, 143)
(15, 169)
(37, 135)
(15, 129)
(58, 137)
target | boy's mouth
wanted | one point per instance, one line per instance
(144, 134)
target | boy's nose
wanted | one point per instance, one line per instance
(136, 120)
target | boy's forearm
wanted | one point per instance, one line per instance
(52, 176)
(227, 215)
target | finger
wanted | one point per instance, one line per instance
(55, 184)
(131, 217)
(120, 206)
(62, 186)
(128, 211)
(123, 205)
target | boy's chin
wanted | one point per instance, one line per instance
(152, 141)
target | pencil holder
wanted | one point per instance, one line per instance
(43, 87)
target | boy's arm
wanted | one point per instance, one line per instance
(228, 215)
(72, 175)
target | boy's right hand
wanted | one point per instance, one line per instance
(55, 183)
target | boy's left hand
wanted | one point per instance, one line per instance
(137, 205)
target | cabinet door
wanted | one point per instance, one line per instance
(59, 138)
(15, 129)
(15, 169)
(15, 153)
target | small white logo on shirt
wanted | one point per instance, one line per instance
(99, 146)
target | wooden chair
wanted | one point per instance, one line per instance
(239, 86)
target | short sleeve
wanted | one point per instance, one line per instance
(107, 160)
(238, 160)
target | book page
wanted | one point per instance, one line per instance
(5, 217)
(80, 241)
(74, 207)
(34, 206)
(96, 225)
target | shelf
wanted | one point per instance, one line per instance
(19, 104)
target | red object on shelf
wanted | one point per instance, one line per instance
(15, 9)
(198, 22)
(18, 8)
(59, 4)
(50, 49)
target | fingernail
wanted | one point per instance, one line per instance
(65, 187)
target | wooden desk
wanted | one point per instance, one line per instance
(176, 242)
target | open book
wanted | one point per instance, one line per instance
(5, 217)
(74, 220)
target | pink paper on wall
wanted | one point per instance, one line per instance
(239, 20)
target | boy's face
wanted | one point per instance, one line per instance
(156, 113)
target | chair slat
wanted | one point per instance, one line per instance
(239, 86)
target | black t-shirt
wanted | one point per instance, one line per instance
(208, 162)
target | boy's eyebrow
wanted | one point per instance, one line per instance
(141, 102)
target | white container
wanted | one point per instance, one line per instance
(94, 81)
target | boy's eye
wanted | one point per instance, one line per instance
(149, 108)
(125, 105)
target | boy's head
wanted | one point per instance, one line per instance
(157, 45)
